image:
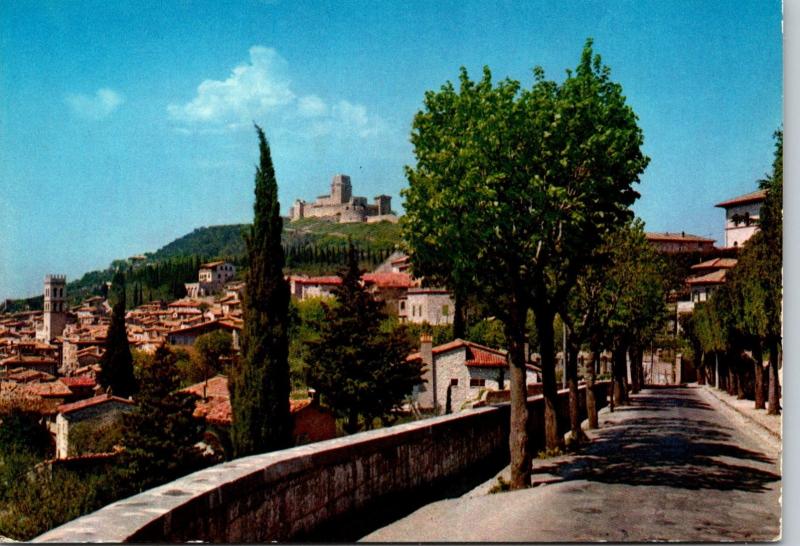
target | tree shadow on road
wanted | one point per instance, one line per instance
(690, 453)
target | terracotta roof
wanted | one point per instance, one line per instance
(389, 280)
(216, 407)
(79, 381)
(209, 265)
(326, 280)
(185, 303)
(89, 402)
(217, 386)
(50, 389)
(27, 359)
(678, 237)
(715, 277)
(716, 263)
(419, 291)
(752, 197)
(477, 355)
(204, 325)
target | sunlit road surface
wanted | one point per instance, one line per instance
(673, 465)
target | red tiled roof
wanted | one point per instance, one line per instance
(715, 277)
(477, 355)
(216, 407)
(716, 263)
(79, 381)
(389, 280)
(204, 325)
(89, 402)
(210, 265)
(50, 389)
(326, 280)
(677, 237)
(185, 303)
(752, 197)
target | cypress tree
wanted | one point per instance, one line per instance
(260, 381)
(116, 365)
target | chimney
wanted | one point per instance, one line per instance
(429, 374)
(312, 394)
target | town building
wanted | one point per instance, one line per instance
(426, 305)
(742, 215)
(341, 206)
(211, 278)
(674, 243)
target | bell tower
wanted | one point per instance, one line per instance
(55, 306)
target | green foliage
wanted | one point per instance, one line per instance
(500, 487)
(40, 500)
(360, 369)
(161, 434)
(116, 365)
(260, 381)
(211, 349)
(305, 317)
(516, 188)
(23, 432)
(489, 332)
(95, 436)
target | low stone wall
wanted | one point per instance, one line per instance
(292, 493)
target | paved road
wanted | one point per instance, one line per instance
(674, 465)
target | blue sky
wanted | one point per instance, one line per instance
(124, 125)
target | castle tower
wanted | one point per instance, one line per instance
(55, 306)
(341, 190)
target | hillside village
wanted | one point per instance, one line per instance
(50, 359)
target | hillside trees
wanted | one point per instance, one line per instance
(359, 368)
(116, 365)
(260, 380)
(514, 189)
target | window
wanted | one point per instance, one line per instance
(402, 306)
(454, 382)
(475, 382)
(445, 310)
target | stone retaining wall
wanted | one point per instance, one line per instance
(292, 493)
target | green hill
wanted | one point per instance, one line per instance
(312, 246)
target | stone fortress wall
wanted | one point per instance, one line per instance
(342, 206)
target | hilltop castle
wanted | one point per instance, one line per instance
(341, 206)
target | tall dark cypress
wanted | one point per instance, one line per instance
(116, 365)
(260, 382)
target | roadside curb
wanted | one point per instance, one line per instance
(773, 435)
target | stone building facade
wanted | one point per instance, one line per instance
(426, 305)
(340, 205)
(102, 410)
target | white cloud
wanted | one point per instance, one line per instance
(311, 106)
(96, 107)
(262, 86)
(252, 90)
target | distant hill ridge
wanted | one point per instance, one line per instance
(312, 245)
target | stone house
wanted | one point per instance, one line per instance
(102, 410)
(457, 374)
(311, 422)
(742, 215)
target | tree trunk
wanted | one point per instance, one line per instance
(758, 375)
(591, 403)
(619, 371)
(572, 385)
(518, 437)
(738, 364)
(716, 370)
(700, 366)
(544, 327)
(459, 317)
(774, 383)
(635, 352)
